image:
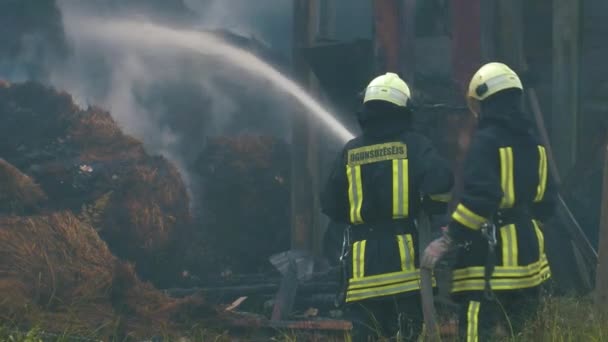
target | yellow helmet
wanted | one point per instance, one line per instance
(489, 80)
(390, 88)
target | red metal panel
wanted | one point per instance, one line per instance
(386, 29)
(466, 40)
(395, 37)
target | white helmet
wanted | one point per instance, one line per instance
(489, 80)
(390, 88)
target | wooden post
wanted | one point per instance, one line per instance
(566, 31)
(302, 172)
(601, 281)
(326, 18)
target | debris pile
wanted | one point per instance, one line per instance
(71, 179)
(84, 163)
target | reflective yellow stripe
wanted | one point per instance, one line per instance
(542, 174)
(359, 259)
(399, 287)
(406, 252)
(508, 236)
(467, 218)
(355, 193)
(400, 188)
(472, 321)
(502, 271)
(356, 260)
(383, 279)
(541, 239)
(441, 197)
(377, 153)
(402, 252)
(478, 284)
(506, 177)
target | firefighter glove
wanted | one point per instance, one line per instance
(435, 251)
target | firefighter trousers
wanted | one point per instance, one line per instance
(385, 317)
(481, 319)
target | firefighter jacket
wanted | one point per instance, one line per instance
(505, 181)
(377, 186)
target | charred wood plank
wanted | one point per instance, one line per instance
(244, 290)
(319, 324)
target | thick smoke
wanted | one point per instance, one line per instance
(267, 20)
(169, 99)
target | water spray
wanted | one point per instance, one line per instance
(146, 34)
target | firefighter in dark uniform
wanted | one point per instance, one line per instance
(377, 187)
(495, 237)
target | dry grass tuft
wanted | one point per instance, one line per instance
(99, 138)
(19, 191)
(566, 319)
(56, 273)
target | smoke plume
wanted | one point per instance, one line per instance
(170, 99)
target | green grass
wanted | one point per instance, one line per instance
(562, 319)
(567, 319)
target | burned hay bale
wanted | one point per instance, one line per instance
(19, 193)
(55, 271)
(84, 163)
(245, 208)
(148, 215)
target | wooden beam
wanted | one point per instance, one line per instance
(566, 31)
(303, 193)
(601, 281)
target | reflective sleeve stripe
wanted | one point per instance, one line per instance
(441, 197)
(541, 239)
(542, 174)
(355, 193)
(406, 252)
(472, 321)
(506, 177)
(467, 218)
(359, 259)
(508, 236)
(400, 188)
